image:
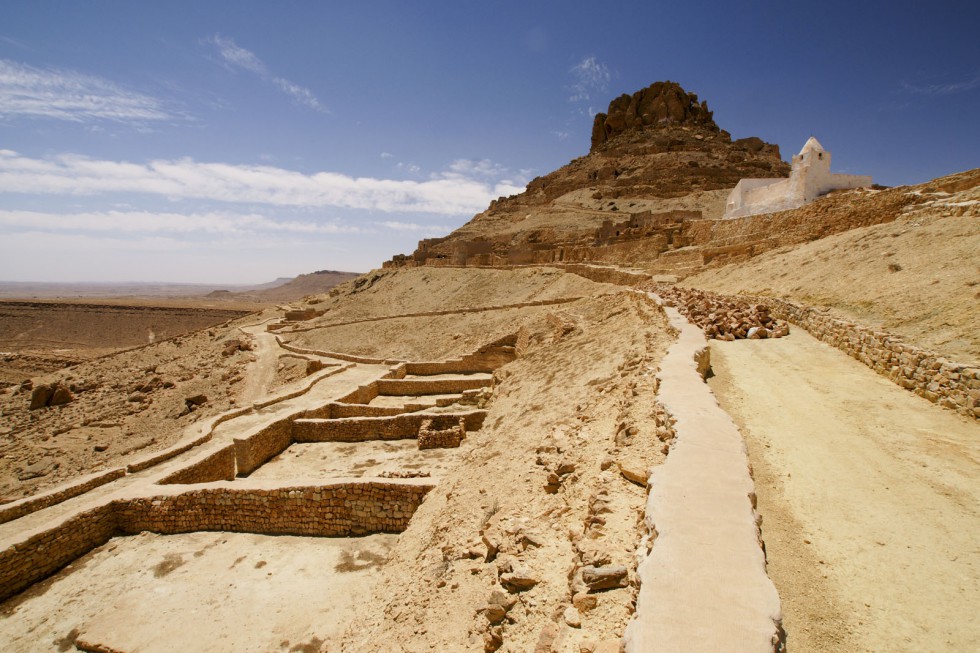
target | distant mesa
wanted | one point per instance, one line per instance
(809, 178)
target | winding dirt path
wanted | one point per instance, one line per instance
(870, 497)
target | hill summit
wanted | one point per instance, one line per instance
(657, 160)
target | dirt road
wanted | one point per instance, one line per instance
(870, 497)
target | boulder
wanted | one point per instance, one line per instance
(605, 578)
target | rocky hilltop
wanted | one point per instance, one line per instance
(657, 160)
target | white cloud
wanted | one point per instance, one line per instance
(429, 229)
(452, 193)
(387, 155)
(238, 56)
(179, 224)
(588, 76)
(26, 91)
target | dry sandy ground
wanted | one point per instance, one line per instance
(580, 405)
(870, 498)
(125, 405)
(200, 592)
(918, 277)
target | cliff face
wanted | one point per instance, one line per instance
(657, 157)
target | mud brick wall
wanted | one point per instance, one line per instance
(606, 275)
(361, 429)
(25, 562)
(952, 385)
(337, 509)
(252, 451)
(415, 387)
(21, 507)
(215, 466)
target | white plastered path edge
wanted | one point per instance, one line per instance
(703, 584)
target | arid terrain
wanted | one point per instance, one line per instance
(510, 441)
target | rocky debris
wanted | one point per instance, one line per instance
(721, 317)
(406, 474)
(192, 403)
(53, 394)
(605, 578)
(515, 577)
(42, 467)
(659, 104)
(236, 345)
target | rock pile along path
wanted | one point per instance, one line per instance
(870, 496)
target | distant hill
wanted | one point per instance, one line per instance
(287, 290)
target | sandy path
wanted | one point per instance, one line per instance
(260, 374)
(870, 496)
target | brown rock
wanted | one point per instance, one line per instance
(605, 578)
(40, 396)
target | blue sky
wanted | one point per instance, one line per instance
(237, 142)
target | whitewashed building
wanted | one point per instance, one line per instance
(809, 178)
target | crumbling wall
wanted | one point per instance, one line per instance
(361, 429)
(432, 437)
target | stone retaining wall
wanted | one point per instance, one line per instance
(362, 429)
(40, 554)
(17, 509)
(416, 387)
(952, 385)
(336, 410)
(252, 451)
(212, 466)
(335, 509)
(340, 508)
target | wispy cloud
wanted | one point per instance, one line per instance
(422, 229)
(121, 223)
(29, 92)
(464, 189)
(948, 88)
(589, 76)
(237, 56)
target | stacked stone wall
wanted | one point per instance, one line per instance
(335, 509)
(362, 429)
(952, 385)
(253, 451)
(341, 508)
(335, 410)
(361, 395)
(417, 387)
(214, 466)
(17, 509)
(24, 562)
(432, 437)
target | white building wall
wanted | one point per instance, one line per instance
(809, 178)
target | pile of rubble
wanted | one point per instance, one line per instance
(721, 317)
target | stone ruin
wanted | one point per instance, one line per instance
(431, 437)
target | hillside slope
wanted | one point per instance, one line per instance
(918, 277)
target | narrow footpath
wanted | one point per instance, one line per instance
(870, 498)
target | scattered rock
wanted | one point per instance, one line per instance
(634, 472)
(605, 578)
(572, 617)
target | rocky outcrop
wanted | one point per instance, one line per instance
(661, 103)
(654, 153)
